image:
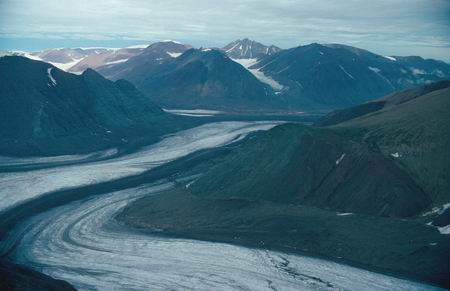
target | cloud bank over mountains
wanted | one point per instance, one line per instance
(401, 27)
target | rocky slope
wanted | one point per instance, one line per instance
(333, 76)
(413, 129)
(202, 78)
(48, 111)
(138, 68)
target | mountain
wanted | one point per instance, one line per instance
(199, 78)
(319, 76)
(76, 60)
(64, 58)
(312, 77)
(108, 58)
(412, 127)
(48, 111)
(282, 166)
(340, 116)
(137, 67)
(249, 49)
(391, 161)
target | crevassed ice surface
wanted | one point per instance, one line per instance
(83, 244)
(19, 186)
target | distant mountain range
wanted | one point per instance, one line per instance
(76, 60)
(336, 76)
(48, 111)
(305, 78)
(315, 77)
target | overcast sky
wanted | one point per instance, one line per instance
(390, 27)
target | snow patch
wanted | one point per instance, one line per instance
(439, 210)
(266, 79)
(247, 63)
(206, 50)
(347, 73)
(139, 46)
(49, 74)
(31, 57)
(169, 40)
(174, 55)
(338, 161)
(190, 183)
(67, 66)
(391, 58)
(116, 62)
(416, 71)
(374, 69)
(396, 155)
(444, 229)
(344, 214)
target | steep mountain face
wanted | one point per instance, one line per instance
(204, 78)
(138, 67)
(46, 110)
(413, 129)
(339, 116)
(392, 162)
(249, 49)
(333, 76)
(308, 166)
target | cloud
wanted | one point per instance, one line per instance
(376, 25)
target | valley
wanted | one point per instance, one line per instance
(242, 167)
(78, 238)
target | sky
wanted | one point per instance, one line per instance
(388, 27)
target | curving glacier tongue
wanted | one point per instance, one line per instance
(83, 244)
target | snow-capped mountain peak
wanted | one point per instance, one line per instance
(249, 49)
